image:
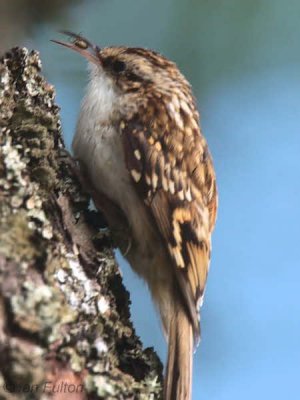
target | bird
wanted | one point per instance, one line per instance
(144, 160)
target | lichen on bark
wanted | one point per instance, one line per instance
(64, 313)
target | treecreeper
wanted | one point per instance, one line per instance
(147, 166)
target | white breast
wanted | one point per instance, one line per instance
(98, 146)
(96, 143)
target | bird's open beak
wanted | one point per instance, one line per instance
(82, 46)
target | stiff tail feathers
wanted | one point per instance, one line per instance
(178, 378)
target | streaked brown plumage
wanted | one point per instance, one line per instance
(140, 148)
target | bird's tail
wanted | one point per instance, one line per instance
(178, 378)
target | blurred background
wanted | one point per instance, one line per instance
(243, 60)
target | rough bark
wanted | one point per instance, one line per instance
(64, 312)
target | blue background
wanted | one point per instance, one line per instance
(243, 61)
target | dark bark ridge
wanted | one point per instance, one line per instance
(64, 313)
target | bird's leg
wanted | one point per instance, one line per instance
(116, 220)
(114, 216)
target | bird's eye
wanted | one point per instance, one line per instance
(118, 66)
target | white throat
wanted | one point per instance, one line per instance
(101, 97)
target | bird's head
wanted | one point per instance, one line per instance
(129, 70)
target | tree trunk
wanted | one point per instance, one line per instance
(65, 329)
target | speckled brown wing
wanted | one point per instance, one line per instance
(173, 173)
